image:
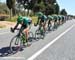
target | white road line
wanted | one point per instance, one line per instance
(17, 58)
(49, 44)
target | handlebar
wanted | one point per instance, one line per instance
(12, 29)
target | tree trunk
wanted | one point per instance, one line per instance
(10, 14)
(27, 12)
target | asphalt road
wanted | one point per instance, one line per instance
(61, 45)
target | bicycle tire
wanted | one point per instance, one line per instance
(37, 34)
(16, 47)
(30, 36)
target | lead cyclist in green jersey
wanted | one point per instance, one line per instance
(24, 21)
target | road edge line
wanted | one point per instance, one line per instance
(49, 44)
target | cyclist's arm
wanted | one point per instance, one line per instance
(16, 26)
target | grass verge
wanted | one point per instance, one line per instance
(2, 26)
(13, 19)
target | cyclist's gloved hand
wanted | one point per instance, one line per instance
(12, 30)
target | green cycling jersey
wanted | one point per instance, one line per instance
(50, 17)
(25, 20)
(42, 18)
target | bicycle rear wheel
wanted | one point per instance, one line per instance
(15, 44)
(37, 34)
(30, 36)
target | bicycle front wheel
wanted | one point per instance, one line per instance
(15, 44)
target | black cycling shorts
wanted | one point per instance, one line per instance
(42, 21)
(24, 26)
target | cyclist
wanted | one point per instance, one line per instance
(59, 19)
(42, 19)
(63, 19)
(62, 16)
(50, 21)
(55, 18)
(25, 22)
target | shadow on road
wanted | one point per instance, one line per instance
(5, 51)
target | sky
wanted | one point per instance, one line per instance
(69, 5)
(2, 0)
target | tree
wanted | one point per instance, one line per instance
(56, 9)
(27, 4)
(63, 12)
(49, 1)
(49, 9)
(36, 8)
(40, 5)
(11, 5)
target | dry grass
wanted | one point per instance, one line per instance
(6, 24)
(10, 23)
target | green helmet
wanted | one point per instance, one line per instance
(19, 19)
(56, 17)
(39, 14)
(50, 17)
(59, 16)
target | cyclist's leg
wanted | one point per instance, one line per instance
(40, 24)
(20, 31)
(52, 24)
(26, 30)
(60, 21)
(49, 24)
(30, 22)
(44, 25)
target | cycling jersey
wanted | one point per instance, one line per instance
(50, 17)
(59, 16)
(63, 17)
(25, 20)
(39, 14)
(43, 18)
(55, 17)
